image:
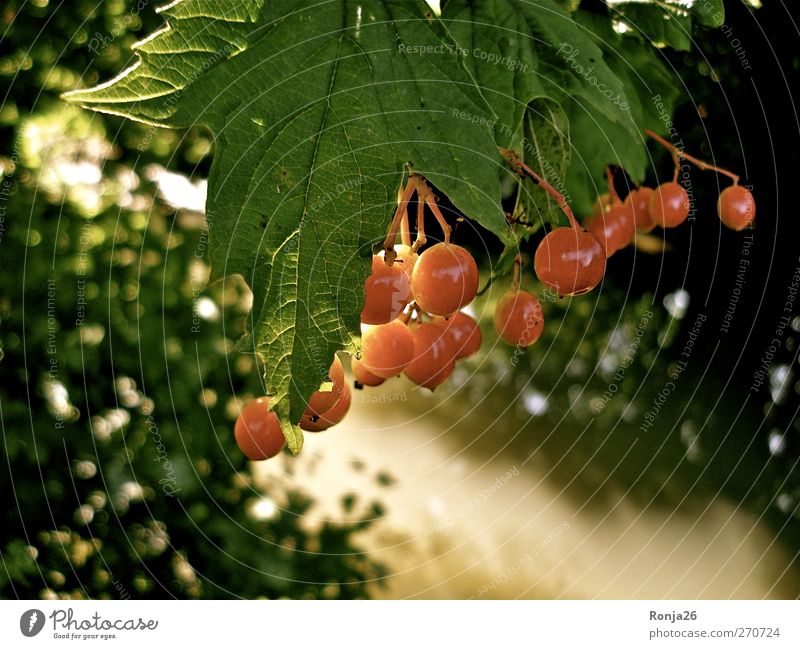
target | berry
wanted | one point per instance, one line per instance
(668, 205)
(329, 418)
(323, 400)
(736, 207)
(518, 318)
(463, 333)
(445, 278)
(615, 229)
(387, 291)
(257, 431)
(637, 201)
(433, 356)
(570, 261)
(363, 376)
(387, 349)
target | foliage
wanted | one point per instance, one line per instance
(118, 386)
(306, 168)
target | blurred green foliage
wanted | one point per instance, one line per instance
(118, 385)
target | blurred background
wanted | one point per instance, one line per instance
(647, 446)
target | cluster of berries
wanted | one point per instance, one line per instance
(412, 319)
(614, 223)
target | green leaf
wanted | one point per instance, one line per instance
(597, 141)
(709, 13)
(668, 22)
(316, 115)
(547, 149)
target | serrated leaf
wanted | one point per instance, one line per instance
(547, 149)
(597, 141)
(665, 23)
(317, 111)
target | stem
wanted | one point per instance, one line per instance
(430, 201)
(612, 191)
(519, 166)
(517, 272)
(402, 208)
(405, 232)
(421, 239)
(678, 155)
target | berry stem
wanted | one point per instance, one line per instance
(520, 167)
(612, 191)
(421, 239)
(430, 201)
(402, 208)
(678, 155)
(517, 272)
(405, 232)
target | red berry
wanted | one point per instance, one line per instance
(570, 261)
(387, 291)
(463, 332)
(445, 278)
(668, 205)
(637, 201)
(257, 431)
(736, 207)
(387, 349)
(434, 358)
(329, 418)
(363, 376)
(518, 318)
(615, 229)
(323, 400)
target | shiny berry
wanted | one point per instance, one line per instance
(330, 417)
(736, 207)
(615, 229)
(387, 291)
(518, 318)
(257, 431)
(445, 278)
(570, 261)
(323, 400)
(637, 201)
(668, 205)
(387, 349)
(463, 332)
(434, 358)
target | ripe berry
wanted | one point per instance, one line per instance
(736, 207)
(518, 318)
(463, 333)
(387, 349)
(615, 229)
(570, 261)
(445, 278)
(433, 356)
(323, 400)
(668, 205)
(387, 291)
(363, 376)
(257, 431)
(637, 201)
(329, 418)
